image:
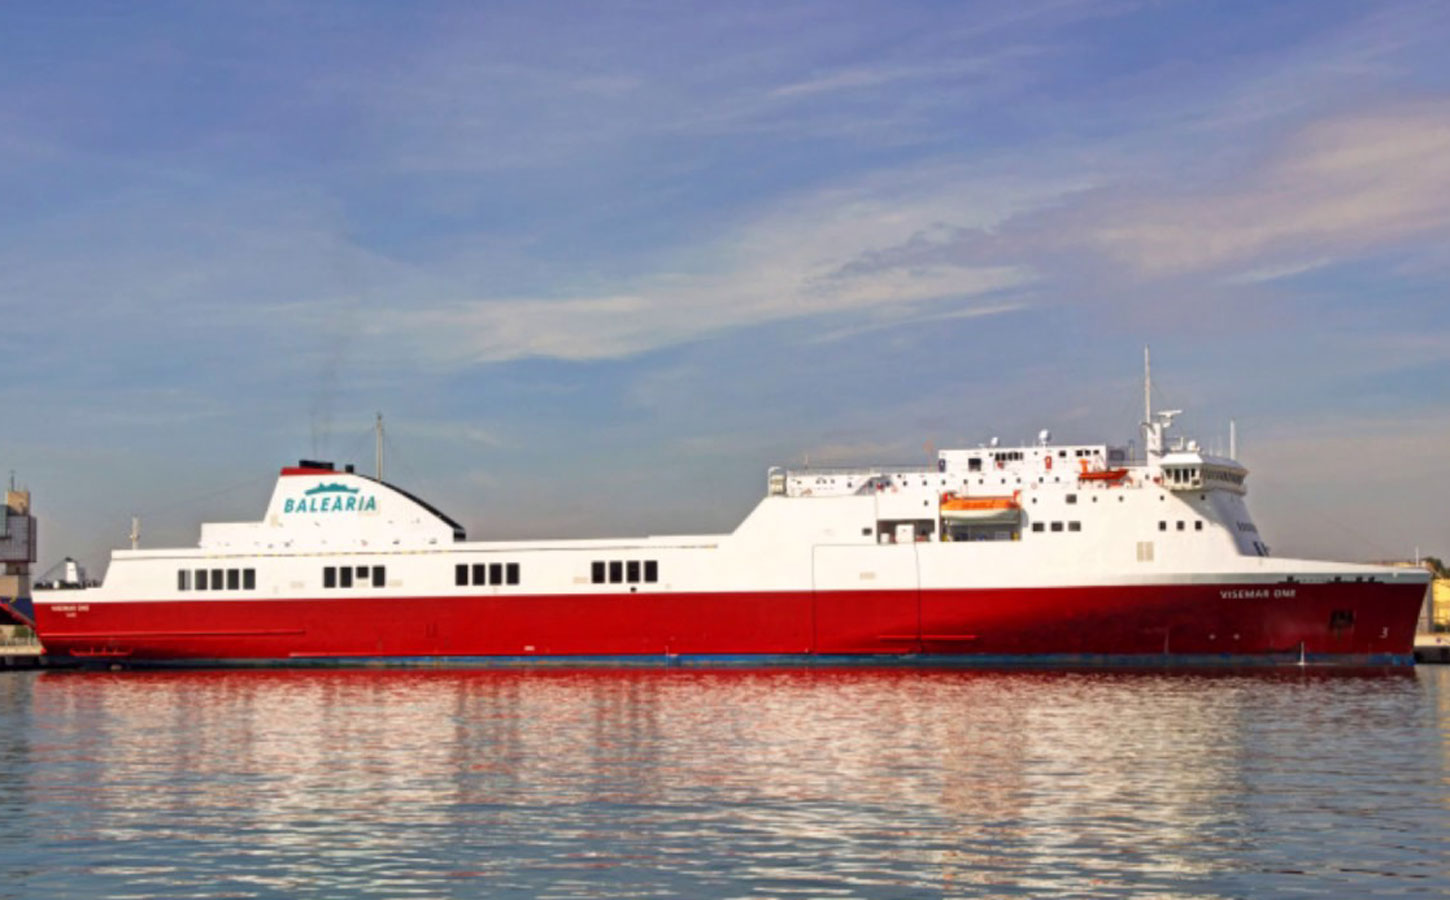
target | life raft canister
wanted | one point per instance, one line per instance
(1047, 461)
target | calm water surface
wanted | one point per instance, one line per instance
(668, 783)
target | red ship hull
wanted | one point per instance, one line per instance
(1345, 622)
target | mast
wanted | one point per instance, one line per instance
(1151, 443)
(1233, 439)
(1147, 386)
(378, 429)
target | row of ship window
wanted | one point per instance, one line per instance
(354, 576)
(1056, 526)
(1182, 526)
(216, 579)
(631, 571)
(485, 574)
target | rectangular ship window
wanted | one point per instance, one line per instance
(596, 572)
(1162, 526)
(511, 573)
(1074, 526)
(651, 571)
(1056, 526)
(201, 579)
(1072, 498)
(183, 580)
(234, 579)
(1037, 526)
(380, 576)
(616, 572)
(1198, 526)
(480, 573)
(362, 573)
(632, 571)
(249, 579)
(329, 576)
(344, 576)
(495, 573)
(460, 574)
(1180, 524)
(216, 579)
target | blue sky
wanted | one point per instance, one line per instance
(599, 266)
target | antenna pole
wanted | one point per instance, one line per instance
(1233, 439)
(379, 430)
(135, 532)
(1147, 386)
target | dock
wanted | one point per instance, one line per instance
(1432, 648)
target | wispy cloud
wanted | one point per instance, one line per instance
(1344, 185)
(1335, 190)
(788, 263)
(1277, 272)
(908, 318)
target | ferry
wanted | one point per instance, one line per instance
(1042, 554)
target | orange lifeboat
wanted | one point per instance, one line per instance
(956, 508)
(1106, 476)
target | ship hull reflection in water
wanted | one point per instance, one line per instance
(722, 784)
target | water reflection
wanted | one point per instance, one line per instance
(722, 783)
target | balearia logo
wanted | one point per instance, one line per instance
(330, 498)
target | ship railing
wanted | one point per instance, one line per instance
(859, 470)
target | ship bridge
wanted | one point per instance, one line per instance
(1190, 470)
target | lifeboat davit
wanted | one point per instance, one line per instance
(980, 510)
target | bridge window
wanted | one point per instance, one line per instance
(480, 574)
(183, 580)
(380, 576)
(249, 579)
(200, 578)
(512, 573)
(216, 579)
(651, 571)
(344, 577)
(460, 574)
(495, 573)
(329, 576)
(631, 569)
(596, 572)
(234, 579)
(616, 572)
